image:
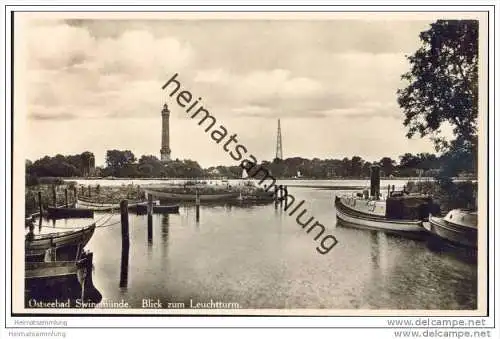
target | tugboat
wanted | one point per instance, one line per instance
(458, 227)
(401, 212)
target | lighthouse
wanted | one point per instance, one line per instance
(165, 134)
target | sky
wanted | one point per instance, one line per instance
(96, 85)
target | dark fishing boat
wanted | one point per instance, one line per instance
(143, 209)
(66, 212)
(458, 227)
(399, 212)
(61, 245)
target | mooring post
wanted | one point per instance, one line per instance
(124, 222)
(66, 196)
(197, 207)
(40, 203)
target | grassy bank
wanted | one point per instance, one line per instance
(31, 196)
(94, 193)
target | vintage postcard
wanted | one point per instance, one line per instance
(250, 163)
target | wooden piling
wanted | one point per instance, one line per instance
(75, 194)
(40, 203)
(124, 222)
(90, 191)
(150, 219)
(66, 197)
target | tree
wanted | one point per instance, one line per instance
(117, 160)
(151, 166)
(387, 165)
(366, 169)
(443, 87)
(87, 162)
(356, 166)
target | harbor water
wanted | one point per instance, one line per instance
(259, 257)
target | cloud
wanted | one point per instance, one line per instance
(116, 69)
(71, 70)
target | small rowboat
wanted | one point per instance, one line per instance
(94, 206)
(65, 244)
(458, 227)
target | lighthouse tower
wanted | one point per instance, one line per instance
(165, 134)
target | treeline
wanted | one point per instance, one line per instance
(124, 164)
(78, 165)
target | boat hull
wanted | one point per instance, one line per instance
(453, 233)
(192, 197)
(64, 212)
(60, 282)
(67, 245)
(412, 228)
(166, 209)
(105, 207)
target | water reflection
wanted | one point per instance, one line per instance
(164, 234)
(124, 266)
(379, 254)
(150, 230)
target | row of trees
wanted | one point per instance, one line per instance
(124, 163)
(61, 166)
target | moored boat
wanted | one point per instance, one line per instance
(459, 227)
(64, 245)
(192, 197)
(67, 212)
(60, 283)
(370, 214)
(399, 212)
(103, 207)
(143, 209)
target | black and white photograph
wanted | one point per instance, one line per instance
(250, 163)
